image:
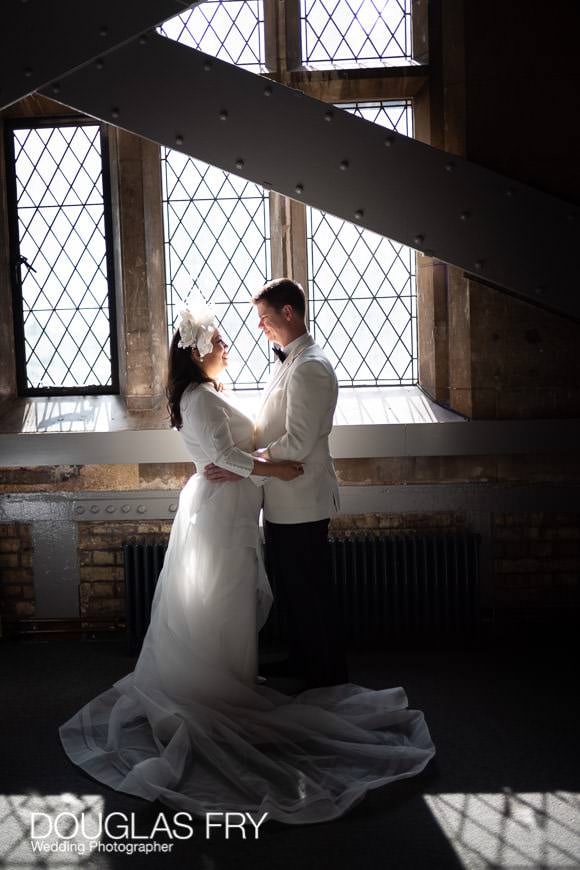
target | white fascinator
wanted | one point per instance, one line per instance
(197, 323)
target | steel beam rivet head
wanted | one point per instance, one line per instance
(104, 30)
(268, 91)
(223, 115)
(79, 509)
(141, 509)
(450, 166)
(344, 165)
(418, 239)
(299, 188)
(172, 508)
(328, 116)
(179, 140)
(239, 163)
(115, 113)
(464, 216)
(143, 39)
(389, 141)
(56, 88)
(126, 508)
(110, 508)
(28, 71)
(479, 264)
(100, 63)
(95, 509)
(206, 65)
(359, 213)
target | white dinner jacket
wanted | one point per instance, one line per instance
(294, 422)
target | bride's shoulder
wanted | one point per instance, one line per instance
(200, 396)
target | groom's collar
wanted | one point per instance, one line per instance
(302, 341)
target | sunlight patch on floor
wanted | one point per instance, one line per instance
(510, 829)
(64, 826)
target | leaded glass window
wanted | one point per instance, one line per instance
(61, 257)
(355, 33)
(217, 233)
(232, 30)
(362, 286)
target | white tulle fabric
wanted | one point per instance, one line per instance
(189, 726)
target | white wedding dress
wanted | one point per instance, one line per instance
(190, 726)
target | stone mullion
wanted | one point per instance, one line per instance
(139, 266)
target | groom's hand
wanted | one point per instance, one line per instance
(216, 474)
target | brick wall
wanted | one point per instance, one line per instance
(16, 580)
(537, 562)
(102, 588)
(407, 523)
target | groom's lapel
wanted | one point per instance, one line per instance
(282, 367)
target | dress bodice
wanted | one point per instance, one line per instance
(215, 430)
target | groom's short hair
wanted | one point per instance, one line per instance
(281, 292)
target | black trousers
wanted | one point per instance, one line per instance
(299, 565)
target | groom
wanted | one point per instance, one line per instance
(294, 422)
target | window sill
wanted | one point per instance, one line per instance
(369, 422)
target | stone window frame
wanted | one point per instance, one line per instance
(136, 198)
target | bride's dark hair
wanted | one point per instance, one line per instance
(183, 370)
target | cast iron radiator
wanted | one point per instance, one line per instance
(388, 589)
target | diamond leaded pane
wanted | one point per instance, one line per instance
(232, 30)
(352, 33)
(362, 286)
(217, 234)
(61, 233)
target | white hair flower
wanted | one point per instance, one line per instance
(196, 326)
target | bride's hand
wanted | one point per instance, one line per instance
(289, 470)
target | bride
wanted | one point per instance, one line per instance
(190, 726)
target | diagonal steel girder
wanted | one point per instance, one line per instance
(511, 235)
(42, 40)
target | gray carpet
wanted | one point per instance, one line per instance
(501, 792)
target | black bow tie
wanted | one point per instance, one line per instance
(279, 353)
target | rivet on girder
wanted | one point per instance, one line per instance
(28, 72)
(465, 215)
(343, 165)
(239, 163)
(104, 30)
(223, 115)
(418, 239)
(359, 214)
(299, 188)
(115, 112)
(206, 65)
(478, 264)
(389, 140)
(268, 91)
(100, 63)
(55, 88)
(329, 116)
(143, 39)
(179, 139)
(450, 166)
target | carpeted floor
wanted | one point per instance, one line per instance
(502, 790)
